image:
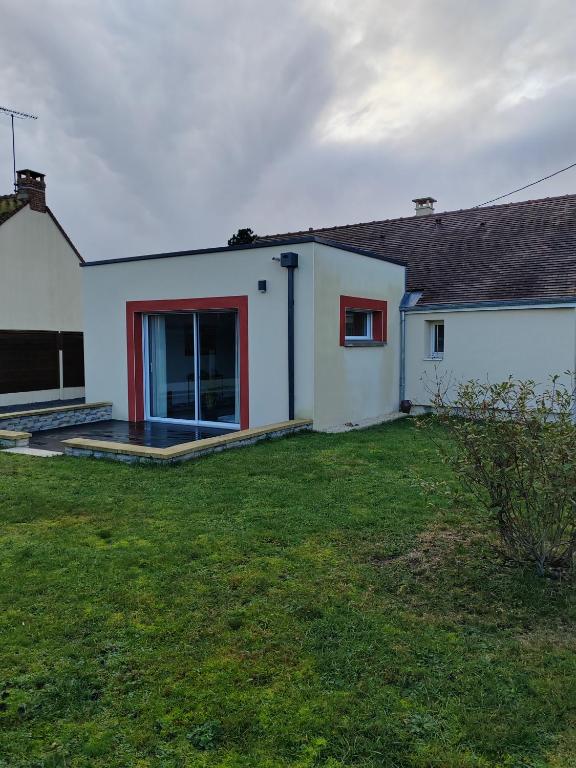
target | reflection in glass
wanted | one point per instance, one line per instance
(193, 367)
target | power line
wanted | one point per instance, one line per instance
(532, 183)
(21, 116)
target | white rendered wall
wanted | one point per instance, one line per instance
(490, 344)
(354, 385)
(40, 276)
(108, 287)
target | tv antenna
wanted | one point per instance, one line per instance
(19, 116)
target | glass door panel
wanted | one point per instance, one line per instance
(171, 355)
(192, 370)
(218, 367)
(157, 378)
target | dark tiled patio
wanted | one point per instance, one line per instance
(153, 434)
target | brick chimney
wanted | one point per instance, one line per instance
(30, 187)
(424, 205)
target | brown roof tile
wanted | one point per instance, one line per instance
(522, 250)
(9, 205)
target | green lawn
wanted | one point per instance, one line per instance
(304, 602)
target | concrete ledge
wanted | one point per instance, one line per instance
(79, 446)
(55, 409)
(58, 416)
(10, 439)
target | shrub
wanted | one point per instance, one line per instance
(514, 445)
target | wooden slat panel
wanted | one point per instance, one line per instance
(73, 358)
(28, 361)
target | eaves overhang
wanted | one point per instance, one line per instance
(250, 247)
(561, 301)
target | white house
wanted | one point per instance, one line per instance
(206, 337)
(41, 315)
(337, 325)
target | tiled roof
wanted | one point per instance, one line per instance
(9, 204)
(524, 250)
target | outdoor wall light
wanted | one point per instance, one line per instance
(262, 286)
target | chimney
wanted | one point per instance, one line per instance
(424, 205)
(30, 187)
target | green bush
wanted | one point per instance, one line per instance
(514, 445)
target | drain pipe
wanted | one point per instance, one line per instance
(409, 299)
(290, 261)
(402, 355)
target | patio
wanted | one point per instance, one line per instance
(148, 434)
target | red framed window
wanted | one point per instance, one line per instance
(135, 310)
(363, 321)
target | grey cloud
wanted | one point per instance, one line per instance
(170, 125)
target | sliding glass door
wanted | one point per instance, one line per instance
(192, 367)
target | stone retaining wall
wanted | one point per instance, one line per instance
(139, 454)
(53, 418)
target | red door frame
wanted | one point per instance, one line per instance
(134, 312)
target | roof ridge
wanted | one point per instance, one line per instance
(412, 217)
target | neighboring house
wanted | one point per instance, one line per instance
(379, 310)
(491, 292)
(41, 345)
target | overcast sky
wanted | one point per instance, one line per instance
(169, 125)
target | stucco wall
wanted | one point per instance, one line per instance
(357, 385)
(494, 344)
(107, 288)
(40, 285)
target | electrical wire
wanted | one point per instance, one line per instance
(532, 183)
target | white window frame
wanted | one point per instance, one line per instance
(369, 325)
(434, 324)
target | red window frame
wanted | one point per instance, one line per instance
(134, 312)
(377, 307)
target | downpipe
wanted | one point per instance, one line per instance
(405, 405)
(289, 260)
(402, 356)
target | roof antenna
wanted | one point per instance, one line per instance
(21, 116)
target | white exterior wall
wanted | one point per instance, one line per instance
(108, 287)
(525, 343)
(354, 385)
(41, 284)
(40, 287)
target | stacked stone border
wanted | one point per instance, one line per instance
(139, 454)
(52, 418)
(11, 439)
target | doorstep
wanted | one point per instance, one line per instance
(39, 452)
(126, 452)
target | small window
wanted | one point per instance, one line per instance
(437, 339)
(363, 322)
(358, 325)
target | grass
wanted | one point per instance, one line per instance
(304, 603)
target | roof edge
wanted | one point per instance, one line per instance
(56, 222)
(65, 236)
(360, 251)
(437, 214)
(494, 304)
(245, 247)
(9, 214)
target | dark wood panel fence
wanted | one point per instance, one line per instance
(29, 360)
(73, 359)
